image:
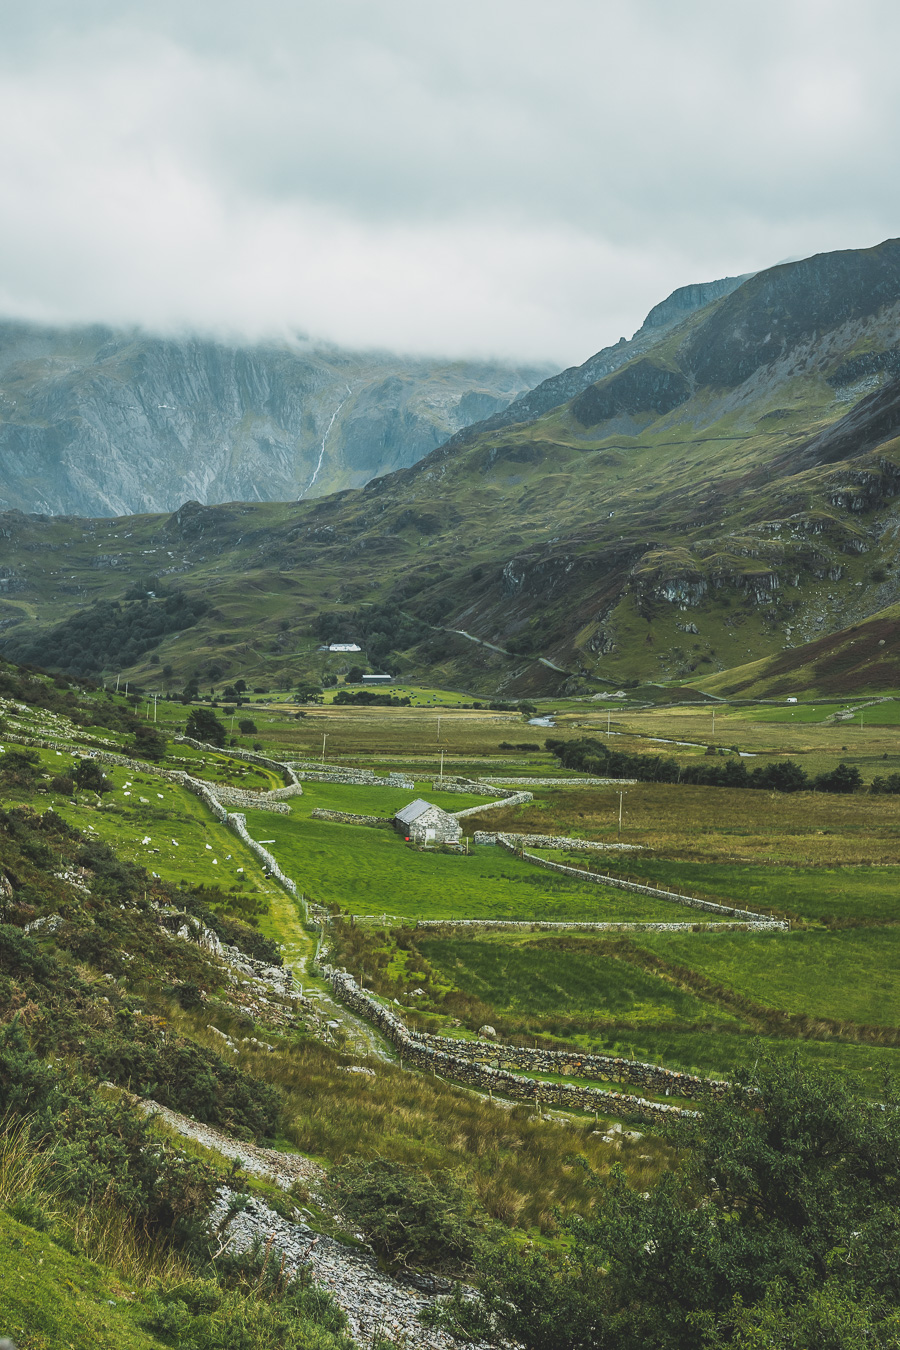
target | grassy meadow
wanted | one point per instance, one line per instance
(373, 872)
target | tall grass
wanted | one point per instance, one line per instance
(30, 1191)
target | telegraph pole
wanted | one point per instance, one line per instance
(621, 796)
(442, 766)
(324, 739)
(608, 721)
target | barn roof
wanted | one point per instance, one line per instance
(414, 810)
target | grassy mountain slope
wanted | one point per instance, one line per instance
(729, 490)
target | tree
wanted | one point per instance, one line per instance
(845, 778)
(247, 726)
(203, 725)
(149, 742)
(354, 675)
(785, 1209)
(241, 686)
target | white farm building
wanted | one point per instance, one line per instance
(424, 823)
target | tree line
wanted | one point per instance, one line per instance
(588, 755)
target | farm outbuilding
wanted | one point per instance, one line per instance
(427, 824)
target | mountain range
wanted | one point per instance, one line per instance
(722, 489)
(97, 422)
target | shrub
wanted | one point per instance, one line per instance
(408, 1216)
(89, 777)
(19, 768)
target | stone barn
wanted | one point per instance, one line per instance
(427, 824)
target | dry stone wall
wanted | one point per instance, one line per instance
(312, 771)
(349, 818)
(238, 823)
(420, 1049)
(605, 1068)
(554, 841)
(560, 782)
(750, 917)
(574, 926)
(515, 799)
(283, 767)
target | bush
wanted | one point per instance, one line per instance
(63, 783)
(409, 1217)
(782, 1215)
(89, 777)
(19, 768)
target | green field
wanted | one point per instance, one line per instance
(844, 976)
(369, 871)
(812, 893)
(563, 979)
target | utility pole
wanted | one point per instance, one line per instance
(714, 721)
(155, 701)
(608, 722)
(324, 739)
(118, 677)
(621, 795)
(442, 766)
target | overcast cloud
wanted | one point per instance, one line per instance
(506, 178)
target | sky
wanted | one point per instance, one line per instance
(497, 178)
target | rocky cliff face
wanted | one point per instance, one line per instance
(559, 389)
(95, 422)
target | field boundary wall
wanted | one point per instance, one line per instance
(349, 818)
(602, 879)
(429, 1052)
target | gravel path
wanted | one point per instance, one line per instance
(375, 1304)
(283, 1168)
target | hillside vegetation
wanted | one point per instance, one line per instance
(719, 491)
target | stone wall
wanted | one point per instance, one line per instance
(605, 1068)
(314, 771)
(471, 785)
(553, 841)
(613, 926)
(516, 799)
(238, 823)
(252, 801)
(250, 757)
(749, 915)
(349, 818)
(428, 1052)
(562, 782)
